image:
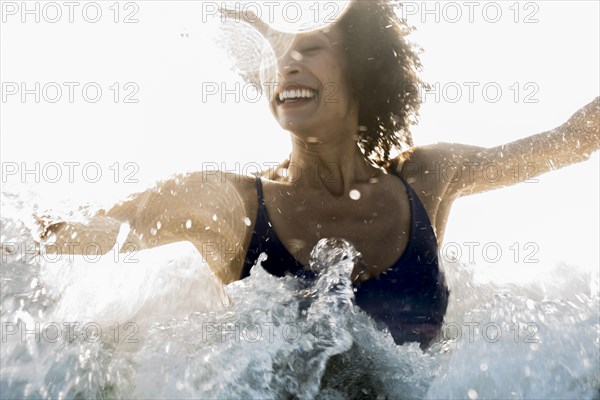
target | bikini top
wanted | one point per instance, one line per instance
(410, 298)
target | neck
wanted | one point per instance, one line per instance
(335, 165)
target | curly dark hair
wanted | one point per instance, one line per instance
(383, 68)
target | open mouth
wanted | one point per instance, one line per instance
(297, 95)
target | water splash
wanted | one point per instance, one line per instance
(289, 16)
(270, 337)
(257, 34)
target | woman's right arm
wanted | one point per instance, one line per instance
(205, 208)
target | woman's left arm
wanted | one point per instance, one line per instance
(470, 169)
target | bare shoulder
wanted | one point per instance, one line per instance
(431, 171)
(433, 168)
(220, 182)
(441, 153)
(219, 190)
(422, 165)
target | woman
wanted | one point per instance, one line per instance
(347, 96)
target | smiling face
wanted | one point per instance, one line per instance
(313, 95)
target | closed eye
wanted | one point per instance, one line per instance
(310, 49)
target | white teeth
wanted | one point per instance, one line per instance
(296, 93)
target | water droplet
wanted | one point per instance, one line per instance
(354, 194)
(296, 55)
(214, 217)
(247, 221)
(472, 394)
(158, 225)
(483, 366)
(188, 223)
(330, 252)
(586, 363)
(534, 347)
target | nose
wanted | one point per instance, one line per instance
(289, 64)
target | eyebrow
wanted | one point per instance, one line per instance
(328, 37)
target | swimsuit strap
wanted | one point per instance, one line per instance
(424, 242)
(259, 192)
(261, 226)
(411, 193)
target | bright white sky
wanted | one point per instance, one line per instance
(170, 53)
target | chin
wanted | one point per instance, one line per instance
(293, 124)
(301, 128)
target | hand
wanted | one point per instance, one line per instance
(48, 226)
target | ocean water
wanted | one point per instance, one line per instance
(157, 325)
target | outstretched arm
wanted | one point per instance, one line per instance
(194, 207)
(470, 169)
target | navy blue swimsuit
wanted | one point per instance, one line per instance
(410, 298)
